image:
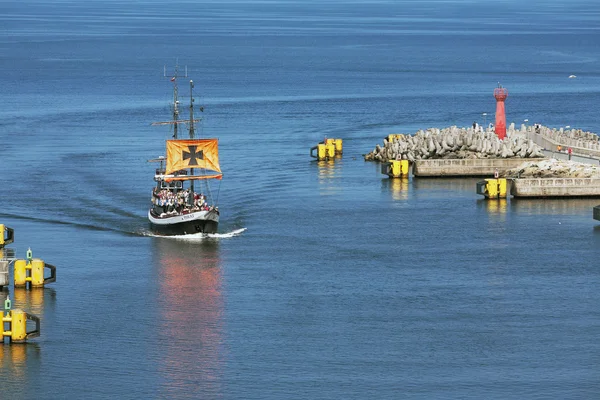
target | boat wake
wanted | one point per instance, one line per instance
(197, 237)
(89, 226)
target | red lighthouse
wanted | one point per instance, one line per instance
(500, 94)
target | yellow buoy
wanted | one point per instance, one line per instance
(32, 272)
(17, 321)
(338, 146)
(37, 272)
(321, 149)
(327, 149)
(395, 168)
(330, 149)
(502, 187)
(321, 152)
(492, 188)
(18, 326)
(20, 273)
(7, 235)
(404, 168)
(394, 136)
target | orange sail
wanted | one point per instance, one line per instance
(193, 153)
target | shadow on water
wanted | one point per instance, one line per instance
(554, 206)
(190, 316)
(539, 206)
(446, 184)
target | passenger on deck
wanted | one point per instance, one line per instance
(169, 202)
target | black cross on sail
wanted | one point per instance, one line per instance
(192, 155)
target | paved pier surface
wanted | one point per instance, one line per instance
(578, 158)
(549, 139)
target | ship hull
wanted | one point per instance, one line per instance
(186, 224)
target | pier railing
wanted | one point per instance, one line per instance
(551, 139)
(7, 255)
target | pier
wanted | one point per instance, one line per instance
(555, 187)
(471, 152)
(556, 143)
(465, 167)
(581, 143)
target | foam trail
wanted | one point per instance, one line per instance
(197, 237)
(227, 235)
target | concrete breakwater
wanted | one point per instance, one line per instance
(552, 168)
(556, 187)
(453, 143)
(464, 167)
(554, 178)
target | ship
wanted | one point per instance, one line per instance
(183, 201)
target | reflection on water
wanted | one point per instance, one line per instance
(493, 206)
(327, 172)
(13, 363)
(327, 169)
(397, 186)
(191, 312)
(554, 206)
(32, 300)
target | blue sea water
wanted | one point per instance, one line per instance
(326, 280)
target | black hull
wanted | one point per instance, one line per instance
(185, 228)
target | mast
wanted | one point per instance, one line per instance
(176, 99)
(175, 121)
(191, 130)
(191, 109)
(175, 104)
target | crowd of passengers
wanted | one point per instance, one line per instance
(171, 202)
